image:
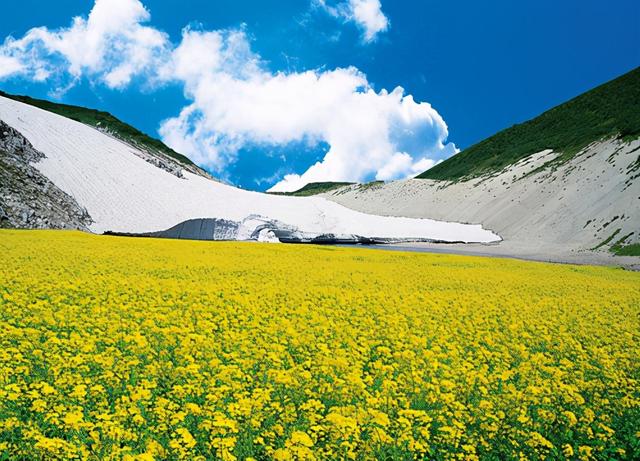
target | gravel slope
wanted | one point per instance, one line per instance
(550, 214)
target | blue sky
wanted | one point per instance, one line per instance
(482, 66)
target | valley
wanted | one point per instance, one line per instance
(576, 201)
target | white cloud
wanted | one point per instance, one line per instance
(367, 14)
(111, 44)
(403, 165)
(235, 101)
(9, 66)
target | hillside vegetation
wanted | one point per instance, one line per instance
(314, 188)
(104, 121)
(612, 109)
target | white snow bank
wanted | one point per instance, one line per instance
(123, 193)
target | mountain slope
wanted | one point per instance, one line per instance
(563, 187)
(575, 212)
(122, 192)
(107, 123)
(610, 110)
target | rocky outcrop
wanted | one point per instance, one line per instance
(155, 158)
(28, 199)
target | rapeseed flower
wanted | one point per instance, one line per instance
(141, 349)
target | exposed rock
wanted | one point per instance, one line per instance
(157, 158)
(28, 199)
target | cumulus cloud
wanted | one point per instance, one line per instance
(366, 14)
(236, 101)
(9, 66)
(402, 164)
(111, 44)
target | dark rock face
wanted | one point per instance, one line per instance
(28, 199)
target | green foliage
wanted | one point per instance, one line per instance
(612, 109)
(627, 250)
(105, 121)
(370, 185)
(621, 249)
(314, 188)
(607, 240)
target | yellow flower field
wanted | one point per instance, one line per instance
(123, 348)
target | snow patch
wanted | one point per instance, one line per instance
(124, 193)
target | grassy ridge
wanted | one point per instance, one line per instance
(103, 120)
(612, 109)
(627, 250)
(314, 188)
(621, 248)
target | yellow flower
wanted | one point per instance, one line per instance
(301, 438)
(79, 391)
(73, 419)
(585, 452)
(571, 418)
(160, 349)
(282, 454)
(567, 450)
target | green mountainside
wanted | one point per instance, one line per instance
(105, 121)
(314, 188)
(612, 109)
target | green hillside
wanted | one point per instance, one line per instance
(612, 109)
(314, 188)
(104, 120)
